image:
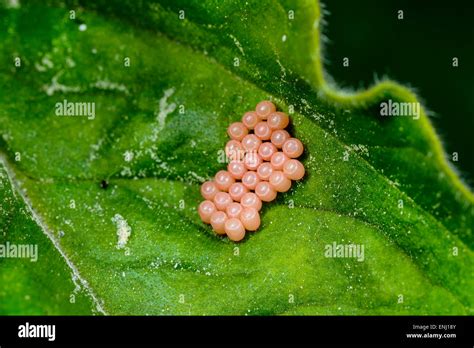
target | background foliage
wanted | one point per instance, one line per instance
(416, 51)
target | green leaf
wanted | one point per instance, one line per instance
(43, 284)
(383, 183)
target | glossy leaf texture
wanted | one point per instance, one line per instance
(159, 125)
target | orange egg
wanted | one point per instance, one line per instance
(234, 229)
(250, 180)
(262, 163)
(251, 143)
(250, 119)
(250, 219)
(251, 200)
(293, 169)
(237, 190)
(205, 210)
(293, 148)
(265, 191)
(209, 189)
(222, 200)
(265, 108)
(218, 219)
(266, 150)
(237, 131)
(278, 160)
(279, 181)
(263, 131)
(223, 180)
(236, 169)
(278, 120)
(279, 137)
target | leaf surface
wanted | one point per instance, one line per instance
(381, 183)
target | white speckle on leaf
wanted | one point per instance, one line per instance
(164, 109)
(45, 64)
(196, 176)
(361, 149)
(283, 38)
(282, 68)
(123, 230)
(107, 85)
(237, 43)
(128, 156)
(126, 171)
(70, 62)
(46, 61)
(95, 149)
(55, 86)
(39, 67)
(82, 27)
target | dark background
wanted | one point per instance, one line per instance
(416, 51)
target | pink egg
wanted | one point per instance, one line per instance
(278, 120)
(234, 229)
(264, 171)
(222, 200)
(293, 148)
(218, 219)
(205, 210)
(237, 131)
(237, 190)
(251, 143)
(251, 200)
(263, 131)
(250, 180)
(236, 169)
(250, 219)
(279, 181)
(265, 191)
(252, 160)
(278, 160)
(223, 180)
(250, 119)
(265, 108)
(279, 137)
(234, 150)
(266, 150)
(293, 169)
(233, 210)
(209, 190)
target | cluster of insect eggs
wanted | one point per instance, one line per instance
(262, 162)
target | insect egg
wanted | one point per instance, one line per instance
(265, 108)
(261, 163)
(237, 131)
(206, 209)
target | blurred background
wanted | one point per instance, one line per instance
(416, 51)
